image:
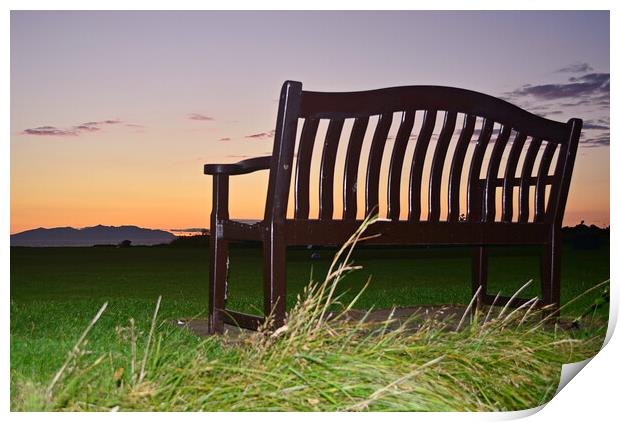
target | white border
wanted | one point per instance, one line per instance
(591, 395)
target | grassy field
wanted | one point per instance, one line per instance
(56, 291)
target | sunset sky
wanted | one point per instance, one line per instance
(113, 114)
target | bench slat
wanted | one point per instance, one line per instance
(509, 176)
(439, 158)
(351, 167)
(328, 164)
(492, 172)
(417, 166)
(552, 205)
(526, 173)
(474, 192)
(543, 172)
(304, 159)
(456, 169)
(396, 163)
(374, 163)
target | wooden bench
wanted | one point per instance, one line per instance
(519, 154)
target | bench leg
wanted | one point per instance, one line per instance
(218, 262)
(274, 279)
(479, 274)
(551, 274)
(218, 268)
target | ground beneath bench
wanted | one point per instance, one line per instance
(446, 316)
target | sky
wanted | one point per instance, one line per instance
(113, 114)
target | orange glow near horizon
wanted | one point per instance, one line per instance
(180, 196)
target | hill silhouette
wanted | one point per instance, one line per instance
(90, 236)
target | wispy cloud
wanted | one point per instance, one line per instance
(199, 117)
(597, 125)
(594, 86)
(577, 67)
(601, 128)
(262, 135)
(224, 139)
(103, 122)
(601, 140)
(86, 127)
(49, 131)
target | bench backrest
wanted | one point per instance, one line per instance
(518, 152)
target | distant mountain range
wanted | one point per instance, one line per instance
(89, 236)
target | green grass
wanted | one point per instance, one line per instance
(56, 291)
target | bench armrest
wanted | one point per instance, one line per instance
(242, 167)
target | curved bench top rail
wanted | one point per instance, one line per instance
(343, 105)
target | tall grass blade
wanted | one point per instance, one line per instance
(73, 352)
(148, 342)
(468, 309)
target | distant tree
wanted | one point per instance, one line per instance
(125, 244)
(198, 240)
